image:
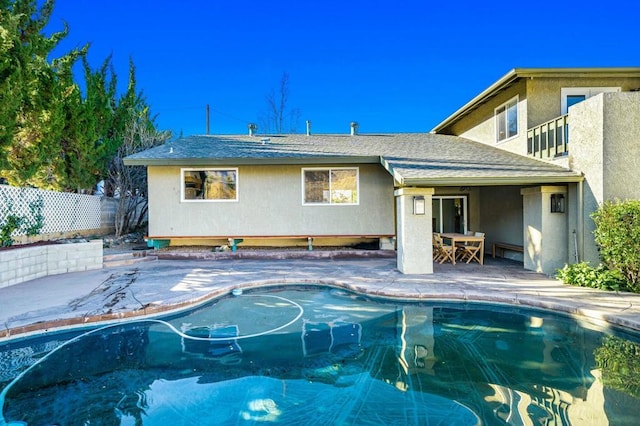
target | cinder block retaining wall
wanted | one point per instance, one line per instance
(24, 264)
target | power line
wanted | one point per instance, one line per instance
(176, 108)
(230, 116)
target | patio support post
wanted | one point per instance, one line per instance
(414, 231)
(546, 234)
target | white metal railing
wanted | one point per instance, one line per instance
(62, 211)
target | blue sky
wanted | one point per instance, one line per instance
(392, 66)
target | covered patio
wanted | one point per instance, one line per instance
(514, 218)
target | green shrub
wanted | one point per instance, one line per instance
(30, 224)
(583, 275)
(618, 237)
(11, 224)
(34, 221)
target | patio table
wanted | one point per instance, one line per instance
(462, 238)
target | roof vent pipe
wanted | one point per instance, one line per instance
(354, 128)
(308, 127)
(252, 129)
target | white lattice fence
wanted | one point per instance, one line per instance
(63, 212)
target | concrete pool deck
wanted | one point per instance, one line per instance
(160, 286)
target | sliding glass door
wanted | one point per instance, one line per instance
(449, 213)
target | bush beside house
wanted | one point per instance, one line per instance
(618, 237)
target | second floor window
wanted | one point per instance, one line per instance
(507, 120)
(570, 96)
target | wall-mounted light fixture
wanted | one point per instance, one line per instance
(419, 205)
(557, 203)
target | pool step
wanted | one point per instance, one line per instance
(128, 258)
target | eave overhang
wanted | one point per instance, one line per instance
(524, 179)
(251, 161)
(488, 181)
(518, 73)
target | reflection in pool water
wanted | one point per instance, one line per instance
(322, 356)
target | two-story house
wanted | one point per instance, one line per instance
(503, 164)
(585, 119)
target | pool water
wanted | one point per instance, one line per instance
(319, 356)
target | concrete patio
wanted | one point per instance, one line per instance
(160, 286)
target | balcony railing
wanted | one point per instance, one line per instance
(549, 140)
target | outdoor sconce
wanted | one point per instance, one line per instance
(557, 203)
(419, 205)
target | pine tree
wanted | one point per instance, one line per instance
(77, 171)
(32, 119)
(51, 135)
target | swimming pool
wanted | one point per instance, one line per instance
(303, 355)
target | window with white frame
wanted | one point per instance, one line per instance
(572, 95)
(327, 186)
(209, 184)
(449, 213)
(507, 120)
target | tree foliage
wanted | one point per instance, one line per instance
(31, 114)
(131, 181)
(52, 134)
(133, 131)
(618, 237)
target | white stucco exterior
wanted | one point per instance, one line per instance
(545, 232)
(415, 249)
(605, 147)
(269, 204)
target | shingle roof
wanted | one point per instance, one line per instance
(412, 158)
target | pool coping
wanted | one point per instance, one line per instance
(513, 287)
(496, 282)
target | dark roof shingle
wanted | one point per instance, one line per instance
(412, 158)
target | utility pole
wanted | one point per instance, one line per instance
(207, 131)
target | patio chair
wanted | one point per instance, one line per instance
(437, 252)
(460, 252)
(471, 250)
(445, 251)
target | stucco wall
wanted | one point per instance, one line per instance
(501, 217)
(479, 125)
(586, 154)
(269, 204)
(544, 94)
(415, 249)
(605, 146)
(545, 234)
(539, 102)
(574, 238)
(621, 145)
